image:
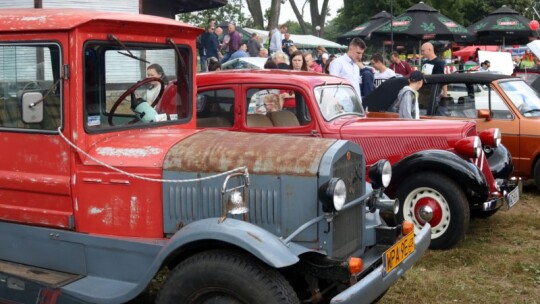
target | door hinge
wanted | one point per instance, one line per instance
(66, 72)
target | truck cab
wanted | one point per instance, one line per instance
(100, 189)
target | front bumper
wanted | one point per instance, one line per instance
(510, 191)
(374, 284)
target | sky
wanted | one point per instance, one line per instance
(287, 13)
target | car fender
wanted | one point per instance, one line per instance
(464, 173)
(260, 243)
(500, 162)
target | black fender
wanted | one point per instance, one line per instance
(500, 162)
(466, 174)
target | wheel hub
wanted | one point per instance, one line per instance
(428, 210)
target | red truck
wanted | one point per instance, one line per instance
(443, 170)
(99, 191)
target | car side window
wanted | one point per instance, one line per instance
(499, 109)
(424, 95)
(30, 87)
(215, 108)
(276, 107)
(458, 102)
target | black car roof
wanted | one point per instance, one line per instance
(385, 94)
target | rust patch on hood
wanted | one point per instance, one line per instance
(219, 151)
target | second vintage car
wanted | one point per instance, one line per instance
(492, 100)
(441, 173)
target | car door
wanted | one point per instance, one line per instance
(464, 100)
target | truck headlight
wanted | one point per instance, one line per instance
(491, 137)
(380, 174)
(470, 146)
(333, 195)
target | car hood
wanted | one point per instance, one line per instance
(397, 127)
(393, 139)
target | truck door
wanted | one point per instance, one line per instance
(34, 167)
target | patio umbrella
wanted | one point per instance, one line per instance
(503, 26)
(364, 30)
(423, 22)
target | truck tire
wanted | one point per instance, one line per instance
(225, 276)
(448, 203)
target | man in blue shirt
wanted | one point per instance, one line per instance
(242, 52)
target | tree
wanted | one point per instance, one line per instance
(232, 12)
(254, 7)
(317, 18)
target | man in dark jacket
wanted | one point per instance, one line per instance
(211, 44)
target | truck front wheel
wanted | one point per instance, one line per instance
(225, 276)
(437, 200)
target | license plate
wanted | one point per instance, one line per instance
(513, 197)
(397, 253)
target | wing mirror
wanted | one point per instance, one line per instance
(485, 114)
(32, 107)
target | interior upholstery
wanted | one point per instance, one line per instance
(258, 120)
(283, 119)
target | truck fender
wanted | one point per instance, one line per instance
(464, 173)
(260, 243)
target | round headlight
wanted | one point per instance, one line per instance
(490, 137)
(380, 174)
(340, 194)
(470, 146)
(333, 195)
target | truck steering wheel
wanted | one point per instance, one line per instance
(131, 91)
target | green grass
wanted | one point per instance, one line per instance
(498, 262)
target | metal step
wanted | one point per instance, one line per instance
(42, 276)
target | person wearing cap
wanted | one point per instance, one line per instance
(407, 100)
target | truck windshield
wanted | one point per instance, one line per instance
(128, 85)
(337, 100)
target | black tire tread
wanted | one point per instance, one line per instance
(275, 284)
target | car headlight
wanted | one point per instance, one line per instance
(333, 195)
(380, 174)
(470, 146)
(491, 137)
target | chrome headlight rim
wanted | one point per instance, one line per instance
(380, 174)
(333, 195)
(477, 147)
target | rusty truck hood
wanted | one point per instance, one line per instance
(219, 151)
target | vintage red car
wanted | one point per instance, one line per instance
(492, 100)
(441, 173)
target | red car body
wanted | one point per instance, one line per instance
(413, 147)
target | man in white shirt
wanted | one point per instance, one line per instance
(345, 66)
(277, 38)
(383, 73)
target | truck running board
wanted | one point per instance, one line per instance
(27, 284)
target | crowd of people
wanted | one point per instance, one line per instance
(215, 49)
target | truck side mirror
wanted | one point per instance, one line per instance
(485, 114)
(32, 107)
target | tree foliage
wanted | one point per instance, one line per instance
(232, 12)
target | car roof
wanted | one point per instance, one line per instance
(385, 94)
(268, 76)
(47, 19)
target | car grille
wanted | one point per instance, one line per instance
(347, 225)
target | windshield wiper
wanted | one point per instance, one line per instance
(128, 54)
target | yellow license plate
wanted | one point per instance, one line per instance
(398, 252)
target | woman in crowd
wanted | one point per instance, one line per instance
(298, 61)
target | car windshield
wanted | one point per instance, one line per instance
(239, 64)
(525, 98)
(337, 100)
